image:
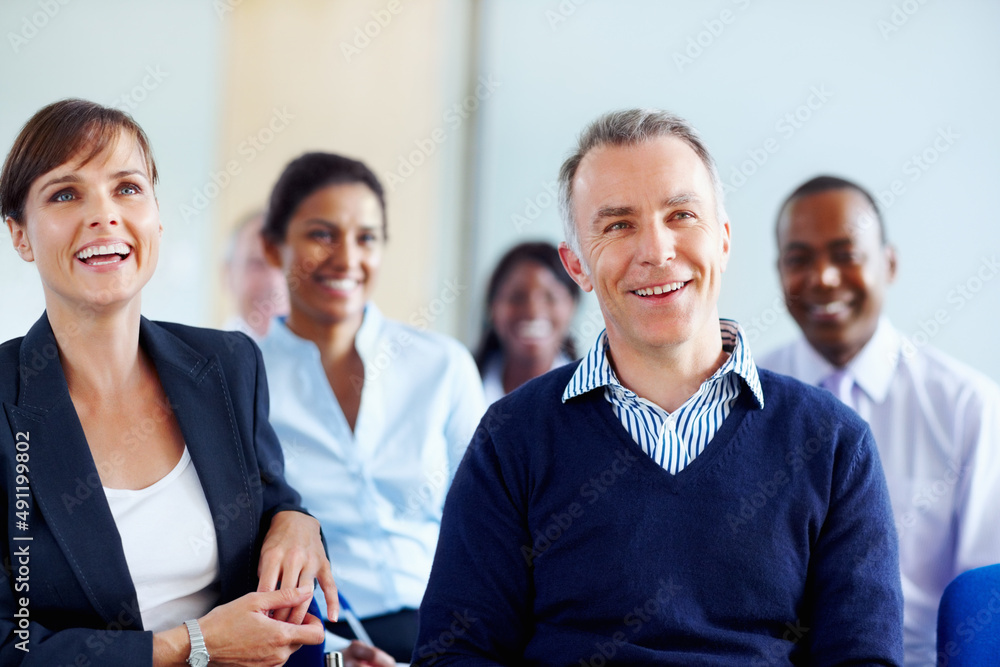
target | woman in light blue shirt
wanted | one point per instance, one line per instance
(373, 415)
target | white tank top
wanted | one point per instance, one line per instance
(170, 546)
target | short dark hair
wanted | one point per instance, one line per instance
(54, 135)
(542, 253)
(305, 175)
(825, 183)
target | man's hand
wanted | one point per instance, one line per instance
(363, 655)
(293, 556)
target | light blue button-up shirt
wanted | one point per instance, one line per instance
(378, 491)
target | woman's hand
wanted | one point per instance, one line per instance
(363, 655)
(241, 633)
(293, 555)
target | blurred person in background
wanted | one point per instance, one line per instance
(373, 415)
(530, 304)
(936, 421)
(258, 288)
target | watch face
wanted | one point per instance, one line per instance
(199, 659)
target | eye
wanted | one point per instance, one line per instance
(616, 226)
(795, 260)
(367, 238)
(846, 257)
(323, 235)
(63, 196)
(128, 189)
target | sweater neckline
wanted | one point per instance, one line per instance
(726, 439)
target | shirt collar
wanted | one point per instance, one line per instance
(365, 341)
(595, 370)
(872, 368)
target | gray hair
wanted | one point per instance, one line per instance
(629, 127)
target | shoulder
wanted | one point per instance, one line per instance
(537, 405)
(10, 362)
(949, 384)
(779, 359)
(422, 351)
(187, 347)
(802, 410)
(947, 378)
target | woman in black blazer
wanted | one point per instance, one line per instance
(143, 494)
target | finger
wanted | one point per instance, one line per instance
(297, 614)
(329, 588)
(282, 599)
(291, 578)
(268, 571)
(309, 632)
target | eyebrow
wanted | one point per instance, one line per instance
(73, 178)
(799, 245)
(336, 225)
(625, 211)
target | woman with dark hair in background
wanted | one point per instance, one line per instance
(374, 416)
(530, 303)
(142, 483)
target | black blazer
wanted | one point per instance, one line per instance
(74, 584)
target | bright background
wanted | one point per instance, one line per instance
(509, 84)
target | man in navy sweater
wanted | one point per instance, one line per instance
(662, 502)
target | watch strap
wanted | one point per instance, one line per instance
(199, 654)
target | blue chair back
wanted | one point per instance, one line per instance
(968, 632)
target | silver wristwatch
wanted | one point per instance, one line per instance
(199, 654)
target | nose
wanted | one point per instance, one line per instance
(656, 244)
(827, 273)
(535, 306)
(102, 212)
(345, 254)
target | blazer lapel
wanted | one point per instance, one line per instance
(65, 481)
(199, 397)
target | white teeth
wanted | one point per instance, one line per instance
(832, 308)
(534, 329)
(659, 289)
(341, 284)
(113, 249)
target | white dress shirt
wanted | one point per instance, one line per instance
(937, 426)
(377, 491)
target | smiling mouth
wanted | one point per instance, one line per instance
(534, 329)
(340, 284)
(828, 310)
(104, 254)
(659, 289)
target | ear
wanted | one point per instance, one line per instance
(575, 268)
(890, 256)
(19, 237)
(725, 233)
(272, 253)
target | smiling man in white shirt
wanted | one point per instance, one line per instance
(936, 422)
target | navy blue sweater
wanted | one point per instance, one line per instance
(562, 543)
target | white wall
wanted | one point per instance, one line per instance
(887, 94)
(162, 57)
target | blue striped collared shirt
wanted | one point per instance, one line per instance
(674, 439)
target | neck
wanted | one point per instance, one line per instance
(685, 367)
(100, 350)
(334, 340)
(518, 371)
